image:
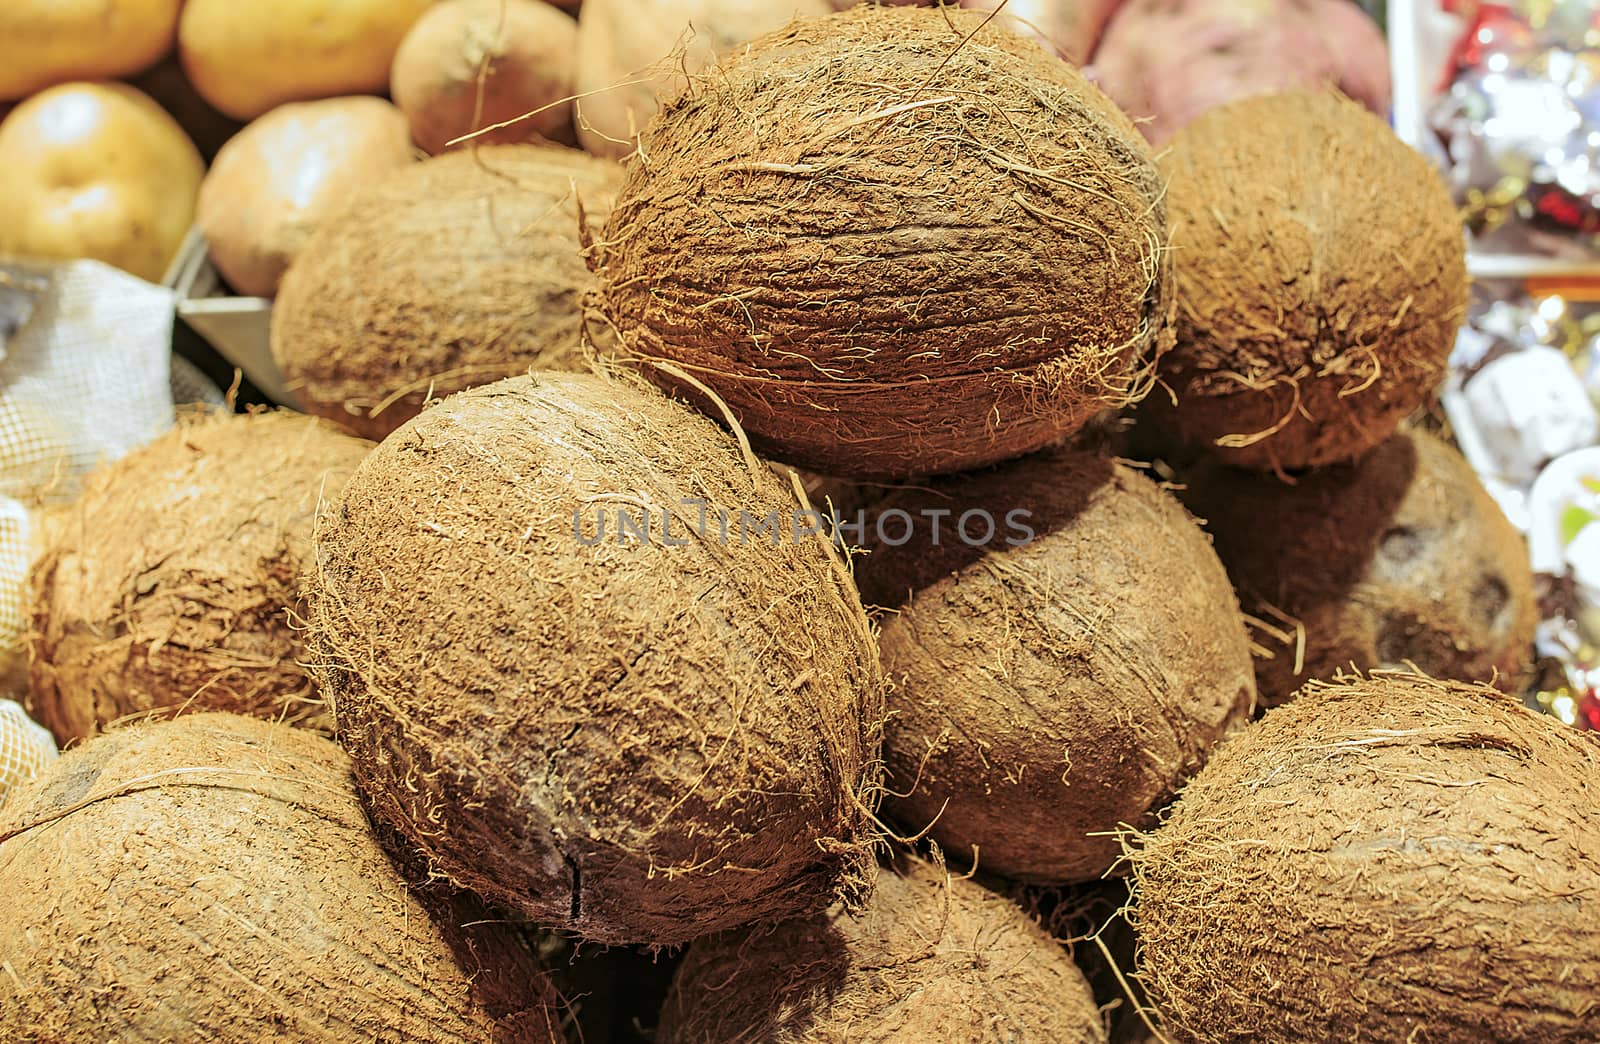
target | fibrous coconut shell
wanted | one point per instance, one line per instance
(214, 878)
(1058, 679)
(893, 243)
(932, 957)
(1393, 858)
(450, 273)
(635, 741)
(173, 582)
(1401, 557)
(1320, 281)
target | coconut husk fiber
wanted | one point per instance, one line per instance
(214, 878)
(1043, 694)
(173, 582)
(893, 243)
(634, 742)
(1320, 281)
(449, 273)
(1393, 858)
(931, 958)
(1399, 558)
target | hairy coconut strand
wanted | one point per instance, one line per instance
(1321, 279)
(450, 273)
(931, 958)
(639, 743)
(1399, 558)
(1393, 858)
(892, 246)
(214, 878)
(173, 583)
(1044, 694)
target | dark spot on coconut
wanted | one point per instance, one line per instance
(1399, 548)
(1491, 597)
(1396, 644)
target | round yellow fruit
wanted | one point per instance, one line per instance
(46, 42)
(246, 58)
(96, 170)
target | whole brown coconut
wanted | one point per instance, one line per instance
(1059, 678)
(1321, 278)
(173, 583)
(931, 958)
(636, 740)
(454, 272)
(1399, 558)
(214, 878)
(893, 243)
(1388, 859)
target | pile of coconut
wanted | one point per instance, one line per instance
(572, 710)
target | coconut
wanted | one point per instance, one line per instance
(173, 583)
(1320, 281)
(931, 958)
(1070, 651)
(1399, 558)
(449, 273)
(1393, 858)
(636, 738)
(893, 243)
(214, 878)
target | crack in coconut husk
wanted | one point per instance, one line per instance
(893, 245)
(1321, 278)
(1385, 858)
(634, 743)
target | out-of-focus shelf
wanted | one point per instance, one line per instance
(1527, 266)
(1415, 56)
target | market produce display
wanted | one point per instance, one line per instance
(884, 286)
(274, 182)
(246, 897)
(454, 272)
(638, 747)
(171, 582)
(415, 624)
(1048, 684)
